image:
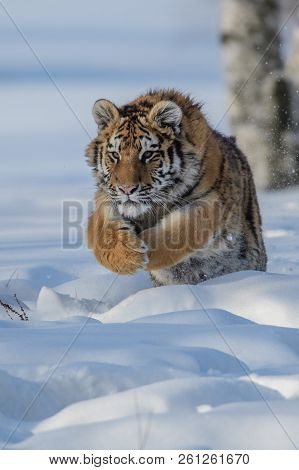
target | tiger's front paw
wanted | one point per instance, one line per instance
(119, 248)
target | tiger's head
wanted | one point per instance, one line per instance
(138, 155)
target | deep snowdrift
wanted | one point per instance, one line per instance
(109, 362)
(208, 366)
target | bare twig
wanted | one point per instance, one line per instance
(11, 276)
(24, 314)
(9, 309)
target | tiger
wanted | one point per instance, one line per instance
(174, 196)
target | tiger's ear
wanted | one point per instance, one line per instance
(167, 114)
(104, 111)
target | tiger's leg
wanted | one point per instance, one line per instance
(180, 234)
(209, 263)
(115, 243)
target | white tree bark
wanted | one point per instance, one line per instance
(260, 94)
(292, 73)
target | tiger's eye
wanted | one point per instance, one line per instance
(146, 155)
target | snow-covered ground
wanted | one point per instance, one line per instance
(109, 362)
(104, 361)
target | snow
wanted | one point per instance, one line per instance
(109, 362)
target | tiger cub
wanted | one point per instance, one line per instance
(174, 196)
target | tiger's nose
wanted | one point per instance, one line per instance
(128, 189)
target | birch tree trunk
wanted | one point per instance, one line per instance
(292, 73)
(260, 113)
